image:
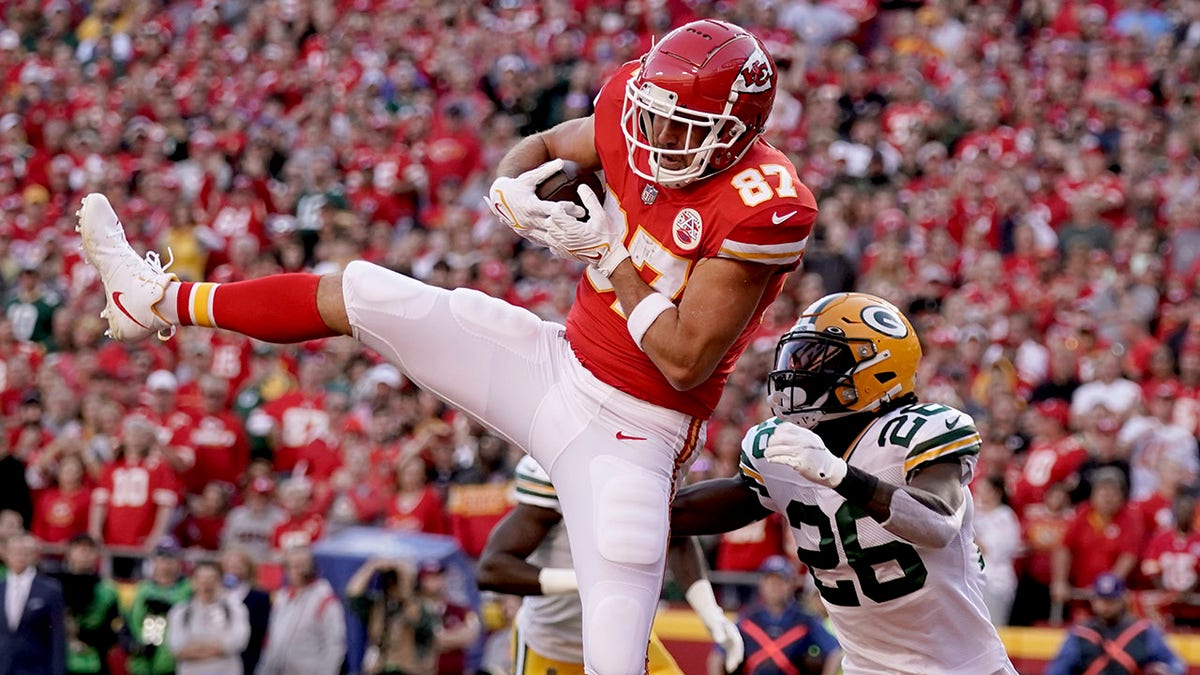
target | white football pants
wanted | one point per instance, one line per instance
(613, 458)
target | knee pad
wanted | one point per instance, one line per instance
(631, 514)
(483, 315)
(375, 288)
(611, 646)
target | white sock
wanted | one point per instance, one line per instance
(167, 308)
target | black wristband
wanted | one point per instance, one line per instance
(858, 487)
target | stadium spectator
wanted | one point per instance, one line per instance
(456, 627)
(1114, 639)
(144, 635)
(242, 584)
(307, 633)
(61, 510)
(1043, 529)
(400, 629)
(33, 637)
(91, 607)
(416, 506)
(208, 631)
(215, 439)
(251, 525)
(132, 504)
(1171, 563)
(303, 525)
(998, 535)
(1104, 536)
(204, 522)
(779, 632)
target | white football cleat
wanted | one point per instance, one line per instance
(132, 285)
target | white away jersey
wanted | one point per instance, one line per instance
(551, 624)
(896, 607)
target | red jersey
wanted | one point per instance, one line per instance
(58, 516)
(200, 532)
(1156, 513)
(1174, 558)
(133, 494)
(298, 531)
(1043, 531)
(1046, 463)
(757, 210)
(425, 514)
(219, 448)
(745, 549)
(1095, 545)
(300, 419)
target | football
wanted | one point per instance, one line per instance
(563, 186)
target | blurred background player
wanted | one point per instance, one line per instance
(528, 553)
(704, 220)
(872, 482)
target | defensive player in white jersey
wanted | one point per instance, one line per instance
(872, 482)
(703, 222)
(528, 553)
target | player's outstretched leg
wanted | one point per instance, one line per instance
(142, 298)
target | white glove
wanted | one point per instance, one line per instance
(515, 200)
(803, 450)
(594, 241)
(723, 631)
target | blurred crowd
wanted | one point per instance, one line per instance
(1019, 176)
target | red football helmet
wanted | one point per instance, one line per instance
(712, 76)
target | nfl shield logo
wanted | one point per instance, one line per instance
(686, 229)
(649, 194)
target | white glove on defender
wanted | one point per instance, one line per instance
(793, 445)
(515, 200)
(595, 241)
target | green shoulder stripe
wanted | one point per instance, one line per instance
(972, 449)
(944, 439)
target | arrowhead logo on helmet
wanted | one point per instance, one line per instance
(756, 73)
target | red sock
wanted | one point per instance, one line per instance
(280, 308)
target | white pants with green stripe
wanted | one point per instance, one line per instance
(517, 375)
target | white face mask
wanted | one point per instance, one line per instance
(642, 105)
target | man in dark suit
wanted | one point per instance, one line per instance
(241, 575)
(33, 634)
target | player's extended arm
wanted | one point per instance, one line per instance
(927, 512)
(502, 566)
(715, 506)
(686, 342)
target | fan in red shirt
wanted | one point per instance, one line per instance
(298, 418)
(215, 440)
(1053, 456)
(1171, 562)
(416, 506)
(132, 505)
(303, 526)
(60, 512)
(201, 527)
(354, 495)
(161, 407)
(1043, 528)
(1105, 535)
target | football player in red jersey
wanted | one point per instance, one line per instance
(703, 220)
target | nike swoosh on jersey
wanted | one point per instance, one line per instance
(778, 219)
(622, 436)
(116, 296)
(950, 424)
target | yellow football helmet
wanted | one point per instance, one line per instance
(848, 353)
